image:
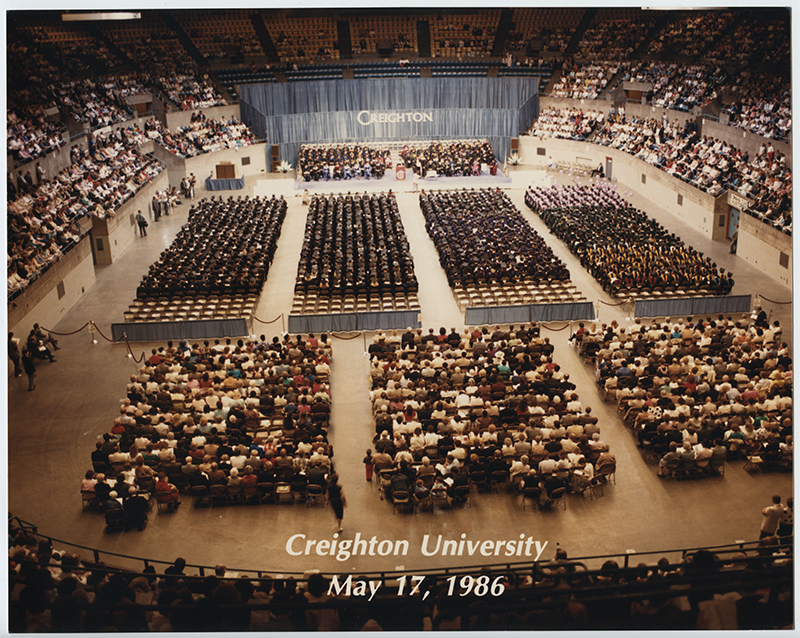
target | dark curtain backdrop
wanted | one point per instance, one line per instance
(293, 113)
(683, 307)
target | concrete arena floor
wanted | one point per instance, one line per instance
(78, 397)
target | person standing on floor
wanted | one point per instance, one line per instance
(369, 464)
(30, 368)
(13, 354)
(336, 500)
(142, 224)
(772, 517)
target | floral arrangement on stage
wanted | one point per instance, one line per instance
(284, 167)
(514, 160)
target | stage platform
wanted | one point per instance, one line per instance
(390, 181)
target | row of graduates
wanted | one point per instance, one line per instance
(448, 158)
(621, 246)
(620, 269)
(482, 238)
(226, 247)
(356, 241)
(342, 161)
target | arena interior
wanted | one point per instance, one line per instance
(537, 261)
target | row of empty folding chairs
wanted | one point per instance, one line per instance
(666, 292)
(257, 494)
(191, 308)
(520, 293)
(312, 303)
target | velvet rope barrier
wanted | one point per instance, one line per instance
(780, 303)
(130, 351)
(101, 334)
(605, 303)
(267, 322)
(567, 325)
(66, 334)
(355, 336)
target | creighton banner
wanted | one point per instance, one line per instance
(365, 118)
(293, 113)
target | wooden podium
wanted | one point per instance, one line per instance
(226, 170)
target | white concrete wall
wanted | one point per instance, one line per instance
(40, 303)
(112, 236)
(202, 165)
(761, 245)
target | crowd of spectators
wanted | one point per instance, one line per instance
(226, 246)
(356, 244)
(342, 161)
(688, 87)
(41, 220)
(54, 590)
(690, 33)
(202, 135)
(761, 104)
(33, 137)
(699, 389)
(189, 91)
(38, 81)
(586, 81)
(707, 163)
(458, 407)
(75, 49)
(458, 157)
(625, 250)
(613, 38)
(222, 414)
(566, 123)
(481, 237)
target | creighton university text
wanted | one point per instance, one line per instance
(298, 545)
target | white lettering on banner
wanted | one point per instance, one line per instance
(365, 118)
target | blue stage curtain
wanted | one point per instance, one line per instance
(297, 113)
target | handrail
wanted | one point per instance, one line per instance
(389, 574)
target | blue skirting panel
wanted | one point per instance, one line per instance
(354, 321)
(235, 184)
(581, 311)
(166, 330)
(685, 306)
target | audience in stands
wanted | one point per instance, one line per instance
(355, 244)
(31, 138)
(42, 220)
(482, 238)
(566, 123)
(690, 33)
(54, 591)
(202, 135)
(226, 246)
(707, 163)
(613, 38)
(626, 251)
(586, 81)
